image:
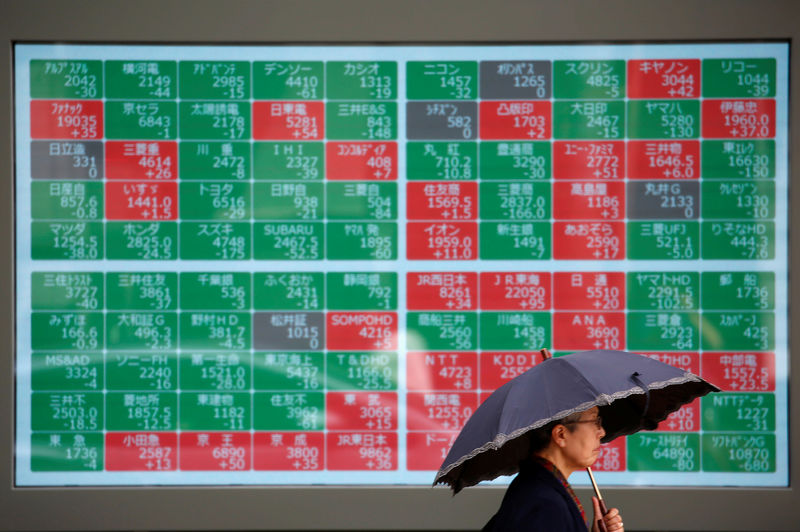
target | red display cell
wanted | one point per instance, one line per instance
(588, 160)
(497, 368)
(439, 410)
(442, 291)
(141, 451)
(685, 419)
(589, 241)
(588, 330)
(288, 451)
(215, 451)
(66, 119)
(142, 201)
(518, 120)
(663, 78)
(589, 290)
(288, 120)
(686, 361)
(664, 159)
(427, 450)
(442, 201)
(439, 371)
(738, 119)
(612, 456)
(515, 290)
(361, 410)
(361, 331)
(141, 161)
(588, 200)
(362, 451)
(442, 241)
(361, 161)
(740, 372)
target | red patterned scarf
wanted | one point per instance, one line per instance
(550, 466)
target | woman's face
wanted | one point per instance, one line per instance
(582, 444)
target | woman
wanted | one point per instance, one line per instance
(540, 498)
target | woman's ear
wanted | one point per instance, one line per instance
(558, 435)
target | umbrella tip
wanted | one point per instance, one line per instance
(545, 353)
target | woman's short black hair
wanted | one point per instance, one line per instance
(539, 438)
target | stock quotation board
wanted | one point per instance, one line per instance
(310, 265)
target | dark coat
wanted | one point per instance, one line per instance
(536, 501)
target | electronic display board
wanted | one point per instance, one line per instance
(309, 265)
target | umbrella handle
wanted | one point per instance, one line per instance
(603, 508)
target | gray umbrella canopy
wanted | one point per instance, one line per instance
(634, 392)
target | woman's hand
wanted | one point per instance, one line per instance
(612, 520)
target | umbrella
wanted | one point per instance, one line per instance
(633, 392)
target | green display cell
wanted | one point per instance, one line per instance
(56, 451)
(361, 80)
(288, 290)
(361, 121)
(215, 290)
(214, 120)
(289, 371)
(589, 79)
(517, 331)
(66, 200)
(288, 201)
(214, 80)
(441, 80)
(739, 412)
(156, 331)
(361, 371)
(67, 290)
(738, 290)
(67, 411)
(63, 79)
(738, 240)
(144, 372)
(141, 80)
(67, 240)
(442, 331)
(427, 161)
(215, 331)
(141, 120)
(663, 331)
(362, 241)
(142, 240)
(663, 291)
(289, 411)
(590, 119)
(218, 372)
(215, 411)
(515, 201)
(276, 161)
(215, 201)
(739, 453)
(663, 240)
(215, 241)
(664, 119)
(59, 371)
(67, 331)
(142, 291)
(515, 160)
(361, 291)
(738, 158)
(214, 160)
(141, 411)
(289, 241)
(288, 80)
(738, 200)
(361, 201)
(655, 451)
(739, 78)
(738, 331)
(515, 241)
